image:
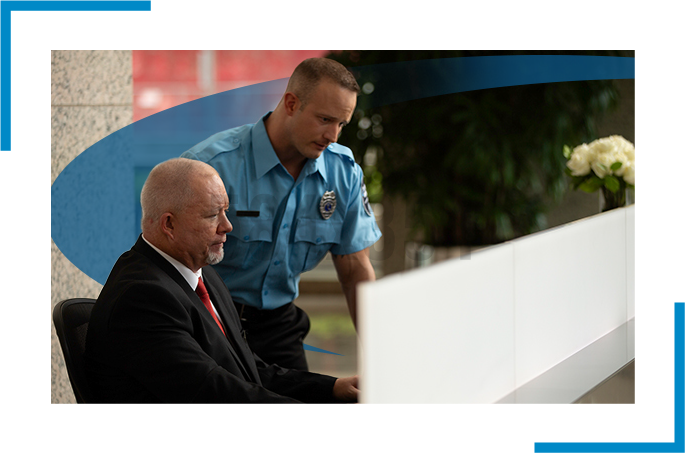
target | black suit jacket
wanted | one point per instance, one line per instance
(150, 339)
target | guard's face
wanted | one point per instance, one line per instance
(319, 124)
(200, 230)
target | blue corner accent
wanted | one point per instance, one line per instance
(678, 445)
(312, 348)
(5, 73)
(6, 8)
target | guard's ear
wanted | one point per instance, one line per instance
(166, 224)
(291, 103)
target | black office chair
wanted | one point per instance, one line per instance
(71, 318)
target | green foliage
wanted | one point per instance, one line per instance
(567, 151)
(611, 182)
(477, 167)
(591, 182)
(330, 325)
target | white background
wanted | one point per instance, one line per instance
(32, 422)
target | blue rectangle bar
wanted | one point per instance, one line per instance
(6, 9)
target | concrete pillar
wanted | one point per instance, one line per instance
(92, 97)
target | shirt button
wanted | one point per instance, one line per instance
(246, 237)
(266, 292)
(277, 262)
(318, 240)
(236, 141)
(285, 225)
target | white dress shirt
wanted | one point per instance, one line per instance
(190, 276)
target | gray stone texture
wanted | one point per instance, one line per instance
(92, 96)
(102, 77)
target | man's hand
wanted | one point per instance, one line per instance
(346, 389)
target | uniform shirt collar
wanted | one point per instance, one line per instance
(263, 153)
(190, 276)
(318, 164)
(265, 157)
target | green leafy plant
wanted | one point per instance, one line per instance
(477, 167)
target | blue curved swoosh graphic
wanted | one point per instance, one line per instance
(306, 347)
(95, 203)
(406, 81)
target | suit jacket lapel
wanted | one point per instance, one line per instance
(232, 325)
(142, 247)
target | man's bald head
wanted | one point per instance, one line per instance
(171, 187)
(184, 212)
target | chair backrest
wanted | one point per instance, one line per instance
(71, 318)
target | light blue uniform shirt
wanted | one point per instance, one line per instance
(264, 255)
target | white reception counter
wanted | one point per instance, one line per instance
(540, 319)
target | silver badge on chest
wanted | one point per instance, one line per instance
(327, 205)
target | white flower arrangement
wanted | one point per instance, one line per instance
(607, 163)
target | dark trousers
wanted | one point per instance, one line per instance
(276, 336)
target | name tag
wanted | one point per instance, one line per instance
(247, 213)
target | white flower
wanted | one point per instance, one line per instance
(630, 153)
(578, 163)
(588, 153)
(602, 163)
(600, 155)
(629, 174)
(623, 146)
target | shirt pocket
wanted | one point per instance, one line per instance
(249, 244)
(313, 238)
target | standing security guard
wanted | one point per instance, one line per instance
(295, 195)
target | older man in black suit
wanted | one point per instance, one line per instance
(164, 329)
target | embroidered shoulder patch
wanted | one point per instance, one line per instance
(365, 199)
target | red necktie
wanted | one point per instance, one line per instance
(201, 291)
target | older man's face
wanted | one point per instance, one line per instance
(200, 229)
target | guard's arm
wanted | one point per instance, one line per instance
(352, 269)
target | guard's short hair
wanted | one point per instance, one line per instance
(311, 71)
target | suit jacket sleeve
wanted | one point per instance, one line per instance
(150, 337)
(301, 385)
